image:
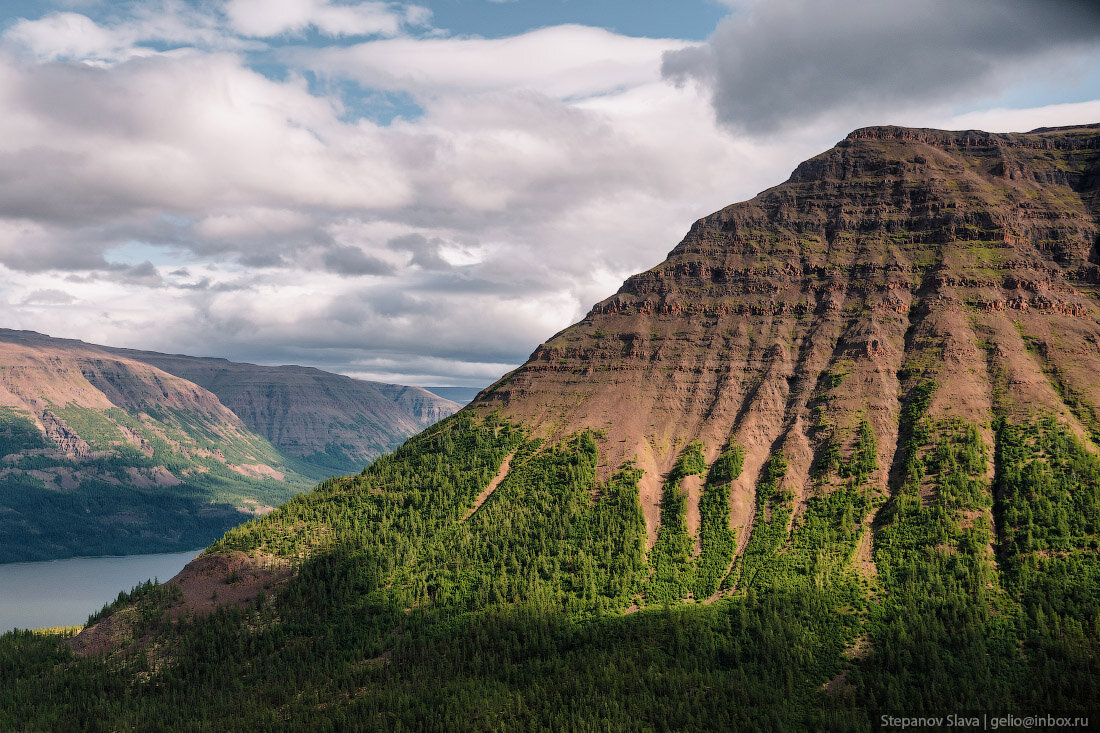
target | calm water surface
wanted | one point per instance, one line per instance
(64, 592)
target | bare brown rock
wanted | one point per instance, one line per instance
(781, 322)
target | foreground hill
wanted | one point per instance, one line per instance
(104, 453)
(834, 459)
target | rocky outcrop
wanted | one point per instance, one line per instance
(68, 442)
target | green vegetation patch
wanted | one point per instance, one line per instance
(18, 432)
(717, 540)
(671, 556)
(120, 500)
(94, 426)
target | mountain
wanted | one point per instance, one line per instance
(334, 422)
(105, 452)
(902, 259)
(832, 465)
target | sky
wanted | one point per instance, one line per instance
(423, 192)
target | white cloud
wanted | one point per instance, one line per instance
(561, 61)
(188, 203)
(251, 222)
(48, 297)
(67, 35)
(75, 37)
(1000, 119)
(517, 200)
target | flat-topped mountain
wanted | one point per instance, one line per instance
(112, 451)
(900, 257)
(833, 461)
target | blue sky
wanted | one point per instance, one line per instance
(690, 19)
(423, 192)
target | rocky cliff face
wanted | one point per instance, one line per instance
(967, 258)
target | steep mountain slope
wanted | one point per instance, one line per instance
(785, 321)
(106, 455)
(334, 422)
(834, 459)
(115, 451)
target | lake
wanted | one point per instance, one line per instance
(34, 595)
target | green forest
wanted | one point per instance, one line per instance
(542, 610)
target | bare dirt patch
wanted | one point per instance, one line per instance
(257, 470)
(837, 684)
(46, 477)
(860, 648)
(864, 558)
(649, 495)
(147, 478)
(235, 579)
(501, 475)
(693, 487)
(255, 508)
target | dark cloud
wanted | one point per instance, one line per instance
(48, 296)
(262, 259)
(351, 261)
(143, 275)
(33, 252)
(424, 251)
(775, 64)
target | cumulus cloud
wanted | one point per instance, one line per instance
(498, 216)
(190, 203)
(780, 63)
(69, 35)
(72, 36)
(564, 62)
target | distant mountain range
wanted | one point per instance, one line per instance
(116, 451)
(334, 422)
